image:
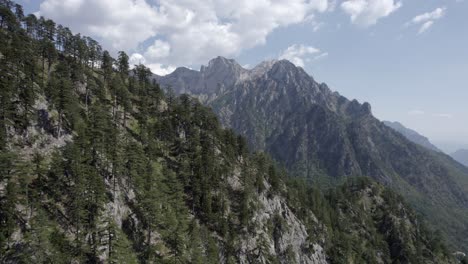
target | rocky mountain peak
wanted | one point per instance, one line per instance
(222, 64)
(285, 71)
(283, 66)
(221, 75)
(183, 70)
(262, 68)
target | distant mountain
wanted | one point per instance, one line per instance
(322, 136)
(461, 156)
(412, 135)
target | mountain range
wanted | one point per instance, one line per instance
(321, 136)
(460, 155)
(412, 135)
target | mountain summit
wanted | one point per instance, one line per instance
(324, 137)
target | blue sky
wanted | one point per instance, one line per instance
(408, 58)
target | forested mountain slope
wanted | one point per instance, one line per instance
(98, 165)
(322, 136)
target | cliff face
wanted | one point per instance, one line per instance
(322, 136)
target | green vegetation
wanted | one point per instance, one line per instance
(98, 164)
(367, 223)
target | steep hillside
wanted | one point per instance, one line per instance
(371, 215)
(322, 136)
(98, 165)
(412, 135)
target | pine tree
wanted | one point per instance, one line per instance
(120, 248)
(175, 215)
(106, 66)
(8, 215)
(148, 187)
(123, 64)
(212, 250)
(196, 249)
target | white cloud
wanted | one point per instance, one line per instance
(135, 59)
(332, 5)
(415, 112)
(118, 24)
(185, 32)
(157, 68)
(159, 49)
(434, 15)
(367, 12)
(424, 27)
(160, 69)
(426, 20)
(297, 54)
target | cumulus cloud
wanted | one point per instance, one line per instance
(297, 54)
(118, 24)
(157, 68)
(136, 58)
(426, 20)
(183, 32)
(159, 49)
(367, 12)
(160, 69)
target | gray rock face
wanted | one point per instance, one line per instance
(295, 237)
(412, 135)
(211, 80)
(321, 135)
(292, 244)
